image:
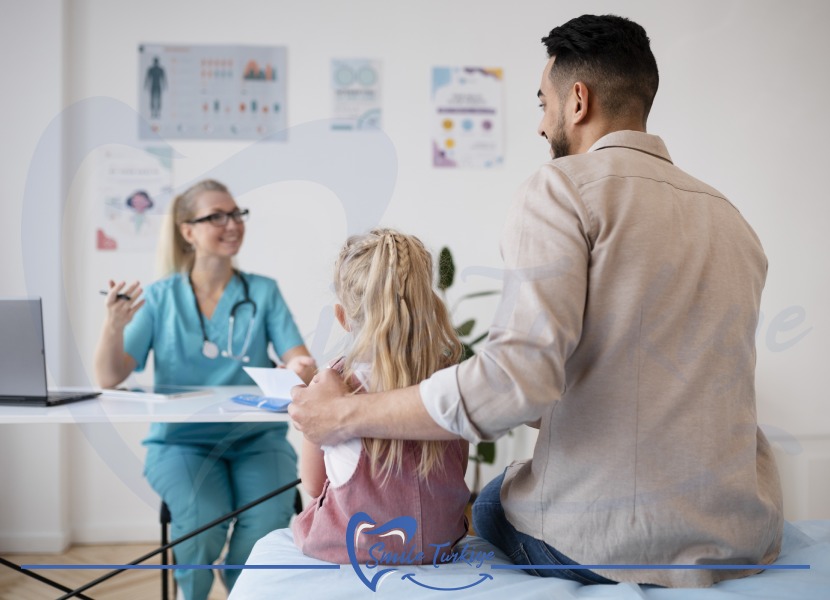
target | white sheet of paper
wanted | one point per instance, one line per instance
(274, 383)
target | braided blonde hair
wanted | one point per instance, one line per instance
(401, 327)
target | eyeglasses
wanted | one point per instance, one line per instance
(220, 219)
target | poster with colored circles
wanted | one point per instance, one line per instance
(355, 85)
(212, 92)
(468, 131)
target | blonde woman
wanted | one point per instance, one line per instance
(401, 335)
(204, 322)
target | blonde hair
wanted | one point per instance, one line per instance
(401, 327)
(175, 254)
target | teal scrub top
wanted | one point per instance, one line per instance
(168, 324)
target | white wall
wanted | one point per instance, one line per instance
(32, 95)
(741, 105)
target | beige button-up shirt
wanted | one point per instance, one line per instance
(627, 330)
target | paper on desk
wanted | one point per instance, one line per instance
(274, 383)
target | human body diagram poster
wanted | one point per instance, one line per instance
(467, 128)
(212, 92)
(134, 186)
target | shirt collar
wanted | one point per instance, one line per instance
(636, 140)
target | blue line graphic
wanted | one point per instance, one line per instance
(170, 567)
(650, 567)
(718, 567)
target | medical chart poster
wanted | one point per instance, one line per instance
(134, 188)
(212, 92)
(356, 100)
(467, 127)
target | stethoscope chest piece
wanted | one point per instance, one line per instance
(209, 349)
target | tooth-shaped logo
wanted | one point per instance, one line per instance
(362, 524)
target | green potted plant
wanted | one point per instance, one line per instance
(484, 452)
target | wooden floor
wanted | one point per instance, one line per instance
(131, 585)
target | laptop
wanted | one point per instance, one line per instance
(23, 358)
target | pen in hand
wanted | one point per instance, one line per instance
(118, 296)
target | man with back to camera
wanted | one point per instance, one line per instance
(625, 333)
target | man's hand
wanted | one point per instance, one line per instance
(320, 410)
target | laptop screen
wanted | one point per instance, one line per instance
(22, 357)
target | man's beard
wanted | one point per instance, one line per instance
(559, 144)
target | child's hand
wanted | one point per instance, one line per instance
(314, 409)
(303, 366)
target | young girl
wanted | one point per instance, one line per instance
(401, 335)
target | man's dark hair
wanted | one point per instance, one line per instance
(612, 56)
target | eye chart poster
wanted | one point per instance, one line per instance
(356, 94)
(134, 186)
(467, 128)
(212, 92)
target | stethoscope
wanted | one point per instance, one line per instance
(209, 348)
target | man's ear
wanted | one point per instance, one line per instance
(340, 314)
(580, 95)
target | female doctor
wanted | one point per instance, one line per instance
(204, 322)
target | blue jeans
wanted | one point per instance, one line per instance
(490, 523)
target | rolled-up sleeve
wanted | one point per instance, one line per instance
(519, 373)
(442, 401)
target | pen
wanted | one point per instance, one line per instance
(117, 297)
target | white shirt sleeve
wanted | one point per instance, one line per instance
(442, 400)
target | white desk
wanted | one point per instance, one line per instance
(214, 408)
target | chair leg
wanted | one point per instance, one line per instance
(298, 502)
(164, 519)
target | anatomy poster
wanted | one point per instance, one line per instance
(212, 92)
(134, 186)
(467, 127)
(356, 94)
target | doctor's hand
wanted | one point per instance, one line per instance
(121, 304)
(321, 409)
(304, 366)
